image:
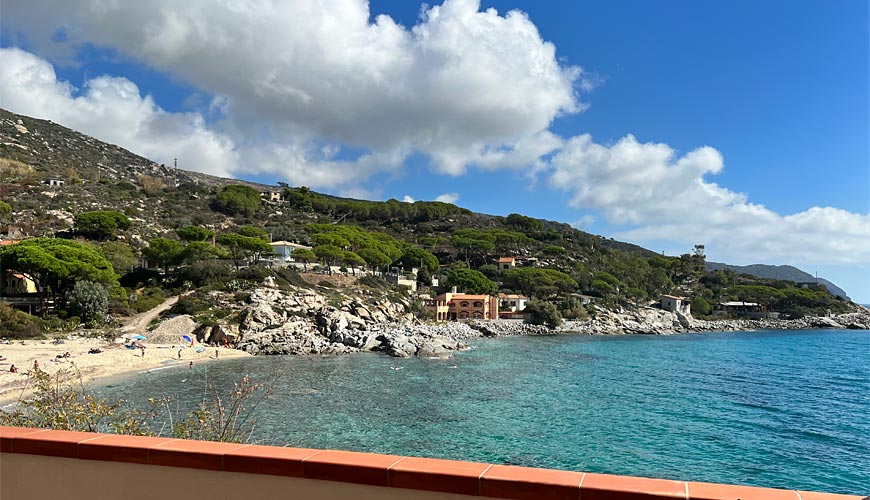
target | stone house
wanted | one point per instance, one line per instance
(676, 304)
(505, 263)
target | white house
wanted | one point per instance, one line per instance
(673, 303)
(284, 249)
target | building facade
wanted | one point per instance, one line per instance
(459, 306)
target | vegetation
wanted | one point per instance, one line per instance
(237, 199)
(88, 300)
(470, 281)
(544, 313)
(101, 225)
(15, 324)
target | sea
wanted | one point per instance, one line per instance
(782, 409)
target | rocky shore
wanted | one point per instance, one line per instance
(302, 321)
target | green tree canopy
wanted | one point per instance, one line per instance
(163, 252)
(194, 233)
(253, 232)
(470, 281)
(120, 255)
(417, 257)
(538, 282)
(100, 225)
(238, 199)
(304, 255)
(5, 211)
(56, 264)
(242, 247)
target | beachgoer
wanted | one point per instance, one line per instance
(179, 354)
(216, 353)
(13, 369)
(67, 354)
(143, 350)
(226, 343)
(35, 365)
(191, 364)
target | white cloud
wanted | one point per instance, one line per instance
(583, 222)
(408, 199)
(301, 74)
(448, 198)
(114, 110)
(662, 196)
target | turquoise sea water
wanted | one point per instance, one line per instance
(777, 409)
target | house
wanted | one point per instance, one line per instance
(752, 310)
(271, 195)
(15, 283)
(54, 182)
(396, 277)
(676, 304)
(458, 306)
(505, 263)
(284, 249)
(511, 302)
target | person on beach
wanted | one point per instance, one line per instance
(191, 364)
(216, 353)
(36, 365)
(179, 354)
(143, 350)
(13, 369)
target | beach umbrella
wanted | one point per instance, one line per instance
(186, 338)
(139, 337)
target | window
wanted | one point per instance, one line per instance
(478, 304)
(463, 304)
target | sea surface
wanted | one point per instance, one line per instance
(770, 408)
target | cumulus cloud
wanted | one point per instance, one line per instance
(662, 196)
(112, 109)
(326, 73)
(448, 198)
(408, 199)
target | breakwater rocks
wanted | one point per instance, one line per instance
(653, 321)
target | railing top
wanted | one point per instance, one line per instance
(448, 476)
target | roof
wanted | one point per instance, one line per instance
(511, 296)
(8, 242)
(463, 296)
(736, 303)
(506, 259)
(283, 243)
(673, 297)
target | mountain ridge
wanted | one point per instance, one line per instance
(778, 272)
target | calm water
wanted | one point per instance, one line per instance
(778, 409)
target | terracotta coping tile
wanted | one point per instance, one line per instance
(115, 448)
(814, 495)
(193, 454)
(606, 487)
(711, 491)
(349, 466)
(446, 476)
(8, 435)
(52, 443)
(522, 483)
(277, 461)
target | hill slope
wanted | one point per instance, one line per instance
(788, 273)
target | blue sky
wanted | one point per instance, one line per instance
(740, 125)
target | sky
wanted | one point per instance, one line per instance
(742, 125)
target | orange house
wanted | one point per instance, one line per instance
(457, 306)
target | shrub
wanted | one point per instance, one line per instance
(207, 272)
(147, 299)
(88, 300)
(17, 324)
(544, 313)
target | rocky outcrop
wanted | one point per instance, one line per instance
(302, 321)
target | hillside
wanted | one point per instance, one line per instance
(789, 273)
(148, 201)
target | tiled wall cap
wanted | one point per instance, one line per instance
(468, 478)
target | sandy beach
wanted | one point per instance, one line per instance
(115, 359)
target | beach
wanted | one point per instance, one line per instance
(113, 360)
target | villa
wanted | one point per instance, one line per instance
(457, 306)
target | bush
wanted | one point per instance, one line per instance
(16, 324)
(147, 299)
(701, 307)
(88, 300)
(544, 313)
(207, 272)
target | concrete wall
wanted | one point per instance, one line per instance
(37, 464)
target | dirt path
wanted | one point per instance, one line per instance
(139, 323)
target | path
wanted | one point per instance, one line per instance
(140, 322)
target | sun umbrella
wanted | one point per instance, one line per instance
(139, 337)
(186, 338)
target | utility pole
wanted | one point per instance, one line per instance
(175, 172)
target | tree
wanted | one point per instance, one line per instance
(253, 232)
(471, 281)
(242, 247)
(701, 307)
(534, 281)
(304, 255)
(120, 255)
(417, 257)
(88, 300)
(374, 258)
(329, 255)
(163, 252)
(196, 251)
(544, 313)
(100, 225)
(5, 212)
(56, 264)
(194, 233)
(353, 260)
(16, 324)
(238, 199)
(424, 277)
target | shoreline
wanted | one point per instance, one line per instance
(113, 361)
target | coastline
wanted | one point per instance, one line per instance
(114, 361)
